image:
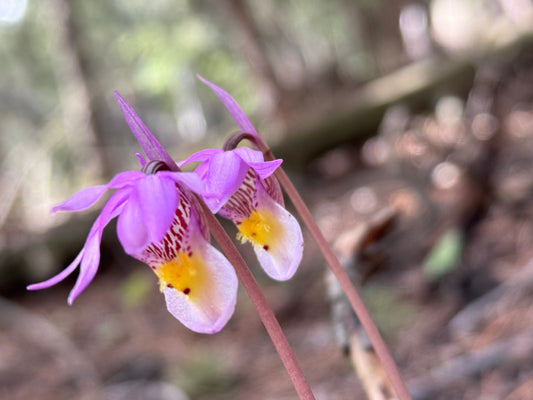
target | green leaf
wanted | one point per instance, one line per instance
(445, 255)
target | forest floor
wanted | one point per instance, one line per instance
(449, 282)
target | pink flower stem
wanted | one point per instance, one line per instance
(353, 297)
(260, 303)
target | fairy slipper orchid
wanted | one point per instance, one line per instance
(161, 224)
(240, 186)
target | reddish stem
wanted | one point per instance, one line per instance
(263, 309)
(353, 297)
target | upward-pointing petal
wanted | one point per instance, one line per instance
(146, 139)
(240, 118)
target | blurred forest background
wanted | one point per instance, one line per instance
(407, 126)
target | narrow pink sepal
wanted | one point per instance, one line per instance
(255, 160)
(238, 115)
(59, 277)
(82, 200)
(89, 256)
(91, 250)
(146, 139)
(86, 197)
(202, 155)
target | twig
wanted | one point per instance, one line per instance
(347, 327)
(370, 371)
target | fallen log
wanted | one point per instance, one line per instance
(355, 116)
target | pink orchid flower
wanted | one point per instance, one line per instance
(239, 185)
(161, 224)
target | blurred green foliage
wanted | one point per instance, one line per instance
(136, 287)
(63, 59)
(390, 312)
(445, 255)
(205, 374)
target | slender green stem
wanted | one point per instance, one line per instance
(263, 309)
(353, 297)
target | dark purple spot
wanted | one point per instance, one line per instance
(187, 290)
(169, 285)
(266, 247)
(189, 254)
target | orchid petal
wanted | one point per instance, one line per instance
(146, 139)
(141, 159)
(124, 179)
(91, 250)
(189, 179)
(85, 198)
(255, 160)
(240, 118)
(283, 256)
(158, 198)
(276, 236)
(202, 155)
(202, 170)
(59, 277)
(148, 214)
(273, 188)
(266, 168)
(89, 254)
(249, 155)
(209, 309)
(225, 175)
(89, 265)
(131, 229)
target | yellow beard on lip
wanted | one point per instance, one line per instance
(186, 273)
(261, 228)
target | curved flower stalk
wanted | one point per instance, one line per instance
(161, 224)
